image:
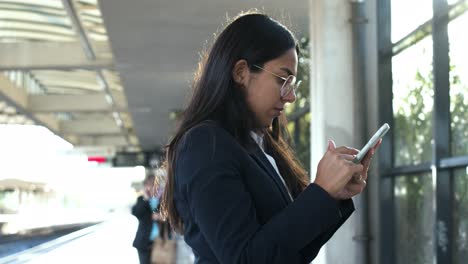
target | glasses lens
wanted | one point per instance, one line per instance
(288, 85)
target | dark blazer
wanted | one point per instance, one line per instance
(235, 208)
(142, 211)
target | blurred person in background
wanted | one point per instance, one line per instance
(145, 211)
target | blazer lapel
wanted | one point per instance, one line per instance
(259, 157)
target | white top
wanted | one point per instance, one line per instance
(259, 140)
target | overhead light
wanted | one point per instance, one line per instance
(141, 110)
(175, 114)
(2, 105)
(20, 119)
(10, 110)
(117, 119)
(119, 122)
(109, 99)
(101, 82)
(3, 118)
(134, 140)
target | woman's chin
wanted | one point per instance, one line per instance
(268, 123)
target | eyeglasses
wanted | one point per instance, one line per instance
(290, 83)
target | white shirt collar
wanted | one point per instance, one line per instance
(258, 139)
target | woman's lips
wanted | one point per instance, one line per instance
(278, 110)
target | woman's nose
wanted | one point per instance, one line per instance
(289, 97)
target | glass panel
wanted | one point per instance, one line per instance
(460, 217)
(414, 219)
(459, 84)
(412, 103)
(405, 19)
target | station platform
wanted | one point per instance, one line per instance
(106, 242)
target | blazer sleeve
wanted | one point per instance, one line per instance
(346, 208)
(210, 177)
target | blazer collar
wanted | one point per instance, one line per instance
(257, 154)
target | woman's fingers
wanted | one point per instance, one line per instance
(358, 177)
(356, 168)
(352, 188)
(331, 145)
(346, 150)
(336, 168)
(358, 181)
(347, 156)
(371, 152)
(377, 144)
(357, 186)
(368, 158)
(347, 161)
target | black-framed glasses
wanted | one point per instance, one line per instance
(290, 83)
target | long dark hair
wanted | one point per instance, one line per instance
(257, 39)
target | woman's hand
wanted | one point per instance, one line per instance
(336, 170)
(358, 182)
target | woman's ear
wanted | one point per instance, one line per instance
(240, 72)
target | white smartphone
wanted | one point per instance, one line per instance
(378, 135)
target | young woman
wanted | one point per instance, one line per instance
(234, 187)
